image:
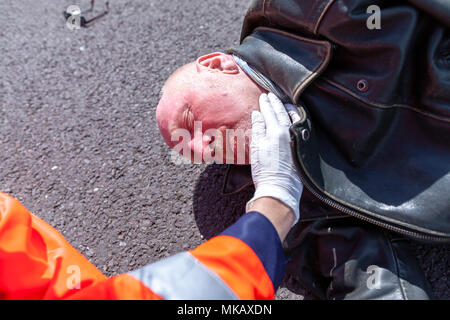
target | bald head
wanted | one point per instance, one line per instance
(205, 98)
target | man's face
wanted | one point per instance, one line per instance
(205, 110)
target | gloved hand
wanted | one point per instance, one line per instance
(273, 170)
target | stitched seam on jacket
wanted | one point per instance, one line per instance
(264, 11)
(324, 11)
(314, 73)
(394, 256)
(310, 78)
(383, 106)
(294, 36)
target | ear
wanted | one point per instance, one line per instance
(217, 61)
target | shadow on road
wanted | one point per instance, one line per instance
(213, 211)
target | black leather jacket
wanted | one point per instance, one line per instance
(375, 138)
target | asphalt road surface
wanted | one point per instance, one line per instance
(79, 143)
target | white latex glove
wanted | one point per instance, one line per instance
(273, 170)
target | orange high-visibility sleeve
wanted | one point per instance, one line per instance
(246, 261)
(36, 262)
(121, 287)
(237, 265)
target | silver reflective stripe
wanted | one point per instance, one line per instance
(183, 277)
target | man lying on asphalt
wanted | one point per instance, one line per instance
(368, 142)
(246, 261)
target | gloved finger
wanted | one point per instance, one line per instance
(258, 132)
(293, 112)
(258, 127)
(267, 112)
(280, 110)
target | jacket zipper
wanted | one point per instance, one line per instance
(363, 217)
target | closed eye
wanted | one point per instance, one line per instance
(188, 119)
